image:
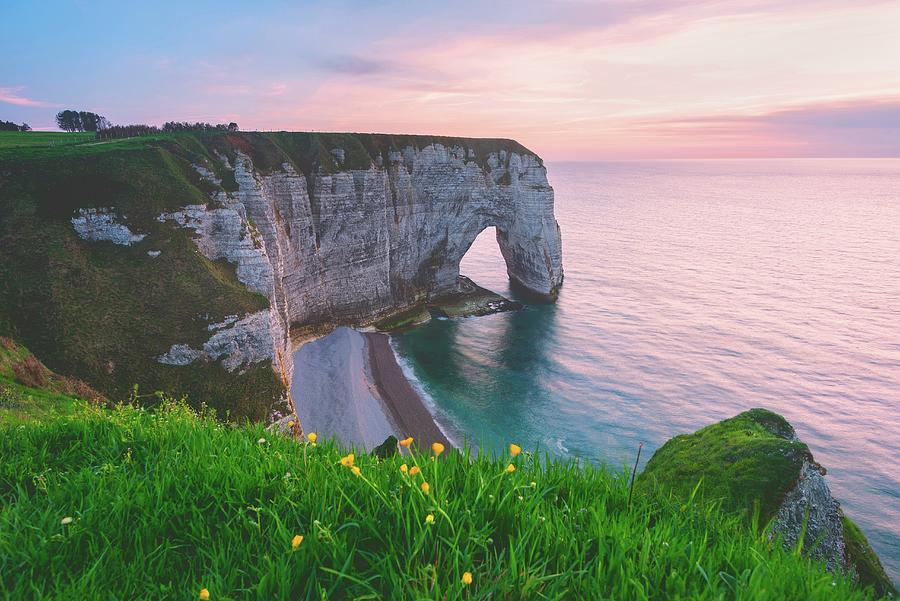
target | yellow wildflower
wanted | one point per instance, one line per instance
(533, 484)
(510, 468)
(295, 542)
(404, 468)
(347, 460)
(204, 594)
(291, 424)
(514, 450)
(467, 578)
(414, 470)
(425, 487)
(437, 447)
(312, 436)
(406, 442)
(429, 519)
(355, 470)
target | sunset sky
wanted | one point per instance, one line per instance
(572, 80)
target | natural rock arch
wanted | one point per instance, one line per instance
(516, 199)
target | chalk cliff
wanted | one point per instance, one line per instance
(352, 245)
(183, 262)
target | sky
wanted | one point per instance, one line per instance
(570, 79)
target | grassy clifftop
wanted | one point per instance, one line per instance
(137, 504)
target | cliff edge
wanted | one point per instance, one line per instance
(183, 262)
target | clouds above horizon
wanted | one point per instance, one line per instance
(571, 79)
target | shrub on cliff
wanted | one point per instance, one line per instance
(138, 504)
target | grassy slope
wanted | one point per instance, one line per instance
(13, 139)
(166, 503)
(28, 390)
(747, 463)
(103, 312)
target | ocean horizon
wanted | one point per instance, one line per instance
(694, 290)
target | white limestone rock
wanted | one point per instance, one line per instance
(239, 344)
(103, 224)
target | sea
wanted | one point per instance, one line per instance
(695, 290)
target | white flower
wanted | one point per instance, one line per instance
(66, 521)
(261, 441)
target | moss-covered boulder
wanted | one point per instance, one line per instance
(754, 465)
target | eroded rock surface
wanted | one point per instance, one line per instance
(237, 342)
(810, 500)
(104, 224)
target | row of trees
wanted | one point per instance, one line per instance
(174, 126)
(10, 126)
(129, 131)
(81, 121)
(69, 120)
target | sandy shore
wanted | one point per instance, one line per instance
(349, 386)
(405, 407)
(333, 392)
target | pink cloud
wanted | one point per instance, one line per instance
(12, 96)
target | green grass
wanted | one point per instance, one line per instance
(165, 503)
(748, 463)
(28, 390)
(46, 139)
(103, 313)
(20, 403)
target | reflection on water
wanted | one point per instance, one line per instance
(695, 290)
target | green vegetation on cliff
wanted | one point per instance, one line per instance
(102, 312)
(748, 464)
(132, 503)
(28, 390)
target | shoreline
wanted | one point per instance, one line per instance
(404, 404)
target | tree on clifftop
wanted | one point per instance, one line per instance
(10, 126)
(69, 120)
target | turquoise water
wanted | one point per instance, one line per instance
(695, 290)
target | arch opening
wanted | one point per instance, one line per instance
(484, 263)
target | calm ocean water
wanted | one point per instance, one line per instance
(695, 290)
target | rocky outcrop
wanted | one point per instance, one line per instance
(237, 342)
(810, 502)
(754, 465)
(103, 224)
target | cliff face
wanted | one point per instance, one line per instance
(182, 262)
(353, 245)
